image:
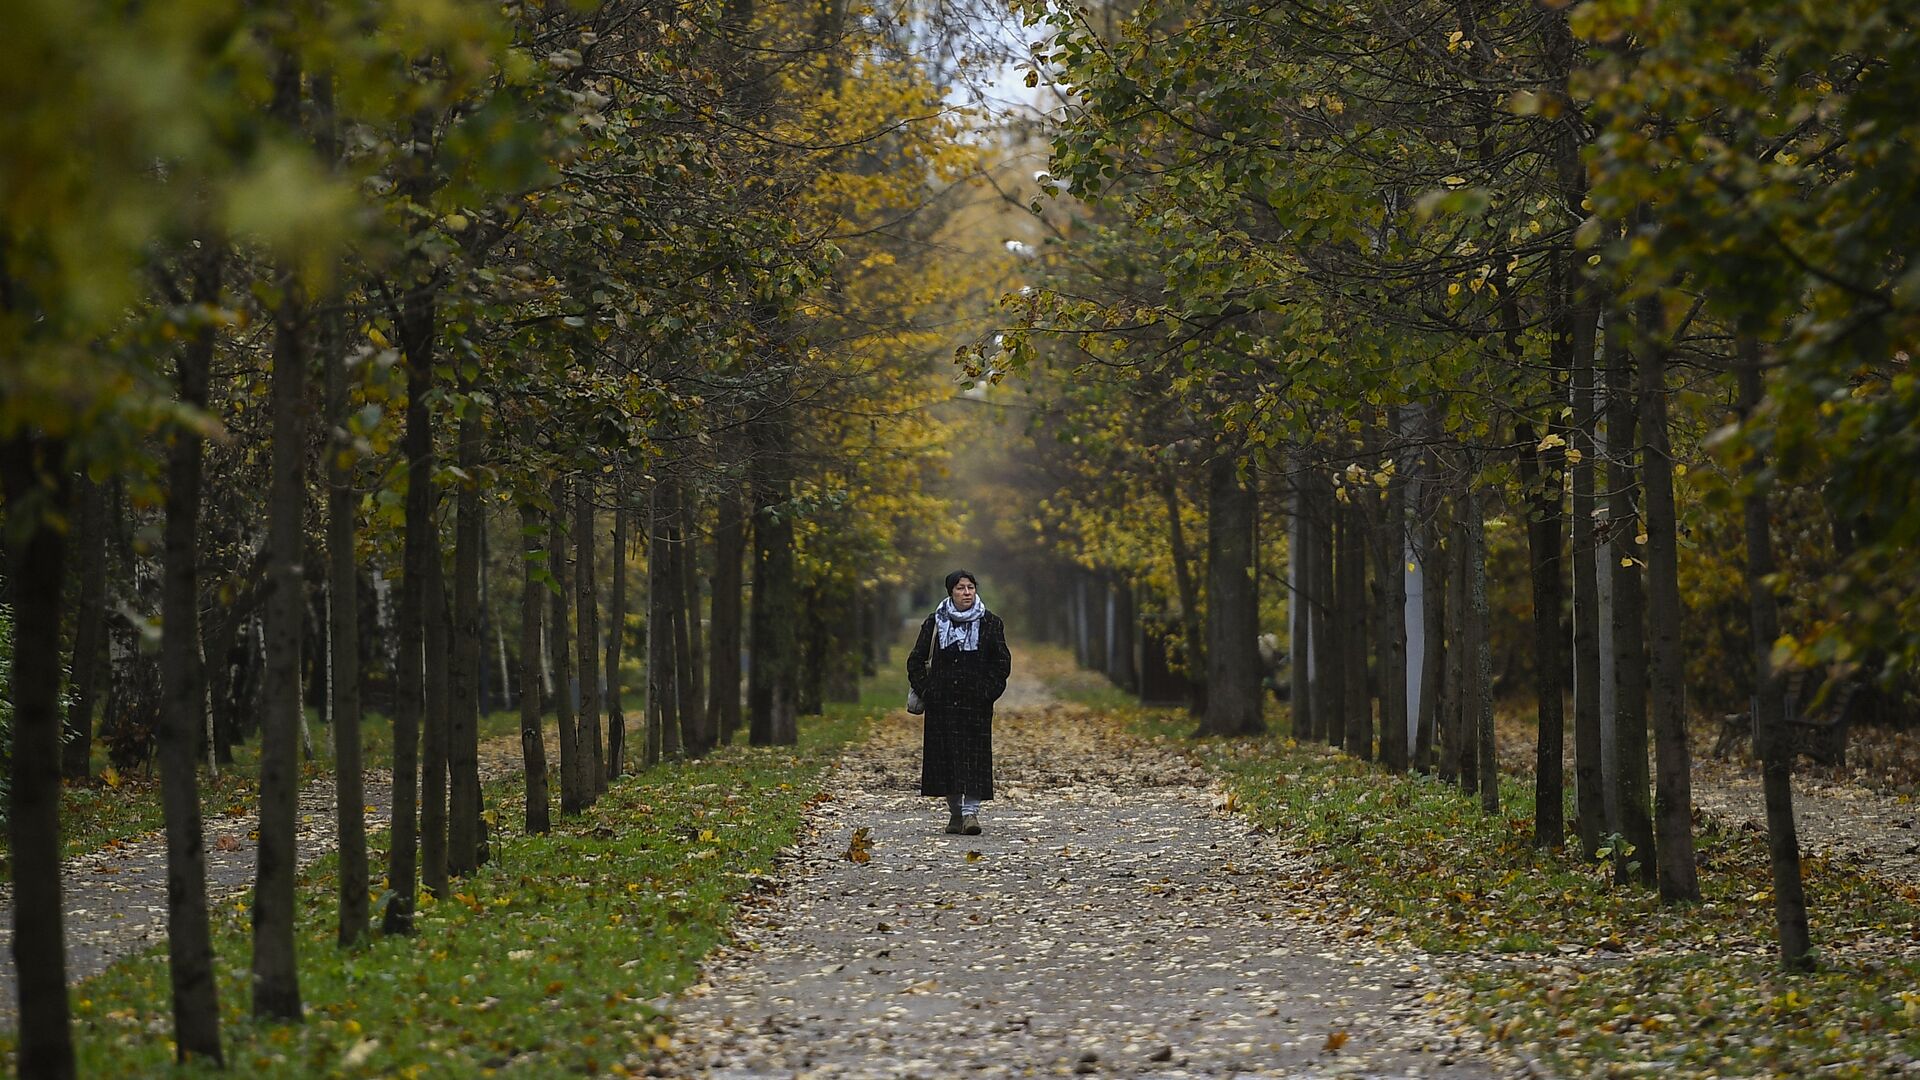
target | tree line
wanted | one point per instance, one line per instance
(354, 351)
(1467, 345)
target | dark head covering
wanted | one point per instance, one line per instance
(954, 579)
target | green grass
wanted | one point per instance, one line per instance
(1555, 962)
(547, 961)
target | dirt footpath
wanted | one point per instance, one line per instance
(1109, 921)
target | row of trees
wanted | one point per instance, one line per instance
(1358, 309)
(338, 334)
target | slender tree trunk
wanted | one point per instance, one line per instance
(687, 716)
(1673, 782)
(1390, 616)
(1329, 682)
(1541, 475)
(89, 631)
(616, 641)
(729, 548)
(771, 689)
(1589, 773)
(276, 977)
(1434, 604)
(1770, 718)
(1233, 617)
(533, 742)
(1357, 707)
(417, 329)
(1300, 644)
(560, 642)
(1189, 598)
(1481, 656)
(1635, 858)
(1456, 736)
(463, 713)
(593, 763)
(663, 672)
(36, 479)
(695, 679)
(183, 699)
(433, 741)
(343, 639)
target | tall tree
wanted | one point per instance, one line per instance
(1770, 715)
(533, 746)
(1233, 629)
(37, 484)
(183, 699)
(1673, 777)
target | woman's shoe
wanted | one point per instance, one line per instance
(970, 825)
(954, 825)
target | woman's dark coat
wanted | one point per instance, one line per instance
(959, 688)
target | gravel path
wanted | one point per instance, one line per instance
(1874, 832)
(1109, 921)
(116, 898)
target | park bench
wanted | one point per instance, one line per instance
(1819, 733)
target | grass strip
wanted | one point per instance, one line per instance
(553, 959)
(1549, 958)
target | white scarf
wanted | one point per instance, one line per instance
(959, 627)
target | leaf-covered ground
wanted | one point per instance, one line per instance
(1110, 920)
(1554, 962)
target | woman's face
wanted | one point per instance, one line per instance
(963, 591)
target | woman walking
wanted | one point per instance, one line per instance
(959, 668)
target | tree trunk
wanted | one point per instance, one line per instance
(695, 679)
(689, 718)
(1434, 604)
(1457, 763)
(90, 626)
(663, 670)
(433, 740)
(1390, 617)
(1773, 740)
(729, 547)
(1300, 643)
(1635, 858)
(593, 763)
(36, 480)
(560, 642)
(1329, 682)
(616, 642)
(183, 699)
(276, 977)
(1126, 673)
(772, 720)
(1351, 608)
(343, 641)
(1589, 773)
(1673, 795)
(1233, 626)
(1539, 470)
(533, 742)
(1480, 701)
(1193, 660)
(464, 840)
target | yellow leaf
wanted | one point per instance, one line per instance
(111, 777)
(974, 856)
(1335, 1040)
